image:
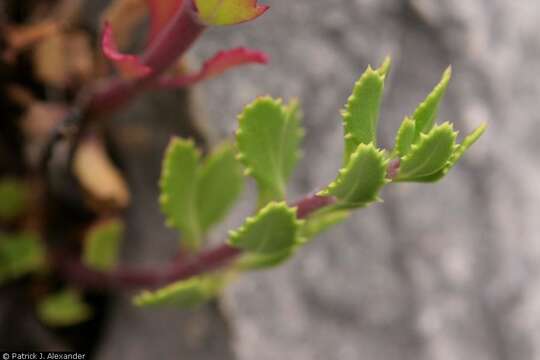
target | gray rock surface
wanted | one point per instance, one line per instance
(439, 272)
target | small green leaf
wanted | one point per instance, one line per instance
(466, 144)
(20, 254)
(228, 12)
(429, 155)
(195, 196)
(102, 245)
(65, 308)
(268, 138)
(361, 114)
(219, 185)
(384, 69)
(456, 155)
(256, 261)
(426, 112)
(178, 190)
(405, 137)
(292, 143)
(358, 184)
(12, 198)
(320, 222)
(273, 230)
(185, 293)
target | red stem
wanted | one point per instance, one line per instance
(206, 261)
(172, 42)
(175, 39)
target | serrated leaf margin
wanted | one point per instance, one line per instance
(352, 136)
(268, 190)
(290, 212)
(426, 113)
(361, 151)
(418, 148)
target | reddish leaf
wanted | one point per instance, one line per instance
(229, 12)
(221, 62)
(161, 11)
(128, 65)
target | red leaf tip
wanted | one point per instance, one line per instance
(218, 64)
(128, 65)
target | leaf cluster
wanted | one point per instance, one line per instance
(197, 193)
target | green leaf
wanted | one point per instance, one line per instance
(384, 69)
(185, 293)
(102, 245)
(20, 254)
(194, 195)
(456, 155)
(405, 137)
(361, 114)
(465, 145)
(429, 155)
(220, 182)
(228, 12)
(292, 142)
(273, 230)
(12, 198)
(358, 184)
(256, 261)
(426, 112)
(269, 136)
(178, 190)
(320, 222)
(65, 308)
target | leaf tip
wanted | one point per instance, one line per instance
(129, 66)
(384, 69)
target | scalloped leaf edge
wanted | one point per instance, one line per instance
(185, 293)
(289, 213)
(191, 236)
(229, 12)
(426, 113)
(458, 153)
(405, 137)
(360, 154)
(445, 129)
(291, 114)
(352, 137)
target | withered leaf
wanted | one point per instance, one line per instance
(102, 181)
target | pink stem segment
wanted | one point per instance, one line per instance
(206, 261)
(80, 275)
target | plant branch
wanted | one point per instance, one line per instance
(134, 278)
(173, 41)
(108, 96)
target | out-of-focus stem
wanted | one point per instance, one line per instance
(173, 41)
(206, 261)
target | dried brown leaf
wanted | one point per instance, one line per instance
(98, 176)
(49, 61)
(80, 56)
(24, 36)
(64, 59)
